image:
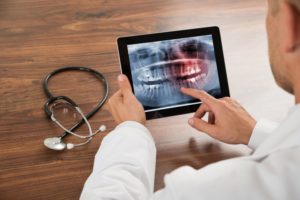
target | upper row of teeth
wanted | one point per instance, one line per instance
(168, 72)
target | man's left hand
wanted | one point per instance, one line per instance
(124, 106)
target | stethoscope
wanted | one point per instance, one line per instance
(57, 143)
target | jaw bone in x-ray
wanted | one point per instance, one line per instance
(160, 69)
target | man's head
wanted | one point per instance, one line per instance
(283, 27)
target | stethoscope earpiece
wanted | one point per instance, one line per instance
(70, 146)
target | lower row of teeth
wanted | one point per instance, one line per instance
(171, 88)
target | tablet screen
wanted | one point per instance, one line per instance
(160, 68)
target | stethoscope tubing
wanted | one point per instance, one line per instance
(52, 98)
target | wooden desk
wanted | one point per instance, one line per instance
(37, 37)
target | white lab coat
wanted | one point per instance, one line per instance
(124, 168)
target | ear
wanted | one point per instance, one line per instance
(289, 23)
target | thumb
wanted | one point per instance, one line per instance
(203, 126)
(124, 85)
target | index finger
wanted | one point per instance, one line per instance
(202, 110)
(199, 94)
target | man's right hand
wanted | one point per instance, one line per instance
(228, 121)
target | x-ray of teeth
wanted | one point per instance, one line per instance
(160, 69)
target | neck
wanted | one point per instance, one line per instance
(294, 77)
(297, 97)
(297, 92)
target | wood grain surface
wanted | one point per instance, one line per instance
(38, 36)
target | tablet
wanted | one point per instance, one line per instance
(159, 64)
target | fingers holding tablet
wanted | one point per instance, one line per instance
(124, 106)
(124, 85)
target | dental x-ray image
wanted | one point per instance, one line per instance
(160, 69)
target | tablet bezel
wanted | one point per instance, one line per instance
(123, 42)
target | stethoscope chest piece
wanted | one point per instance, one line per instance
(55, 143)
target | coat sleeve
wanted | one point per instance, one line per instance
(124, 169)
(273, 177)
(261, 132)
(124, 166)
